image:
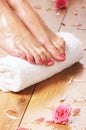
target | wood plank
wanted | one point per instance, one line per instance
(76, 15)
(49, 92)
(71, 20)
(16, 102)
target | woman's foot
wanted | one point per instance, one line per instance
(18, 41)
(55, 45)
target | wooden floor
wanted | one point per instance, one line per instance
(34, 101)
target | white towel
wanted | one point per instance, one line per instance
(17, 74)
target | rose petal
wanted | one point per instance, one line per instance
(53, 0)
(63, 24)
(83, 6)
(76, 111)
(39, 120)
(83, 29)
(75, 13)
(49, 122)
(11, 114)
(76, 24)
(21, 128)
(49, 9)
(51, 108)
(70, 81)
(53, 9)
(57, 14)
(63, 99)
(38, 7)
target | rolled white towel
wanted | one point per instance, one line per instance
(17, 74)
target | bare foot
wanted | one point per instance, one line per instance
(17, 40)
(54, 44)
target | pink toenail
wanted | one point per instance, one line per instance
(44, 62)
(50, 61)
(39, 61)
(63, 55)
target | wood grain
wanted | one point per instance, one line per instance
(36, 101)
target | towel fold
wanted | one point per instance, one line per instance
(17, 74)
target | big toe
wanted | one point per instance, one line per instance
(56, 52)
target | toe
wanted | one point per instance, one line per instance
(30, 58)
(50, 61)
(40, 57)
(55, 53)
(59, 43)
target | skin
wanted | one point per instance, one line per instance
(20, 36)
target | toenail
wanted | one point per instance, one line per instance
(44, 62)
(50, 61)
(62, 55)
(25, 58)
(39, 62)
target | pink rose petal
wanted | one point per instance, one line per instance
(63, 24)
(83, 6)
(57, 13)
(38, 7)
(53, 0)
(49, 9)
(83, 29)
(39, 120)
(21, 128)
(77, 25)
(75, 13)
(53, 9)
(51, 108)
(76, 111)
(49, 122)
